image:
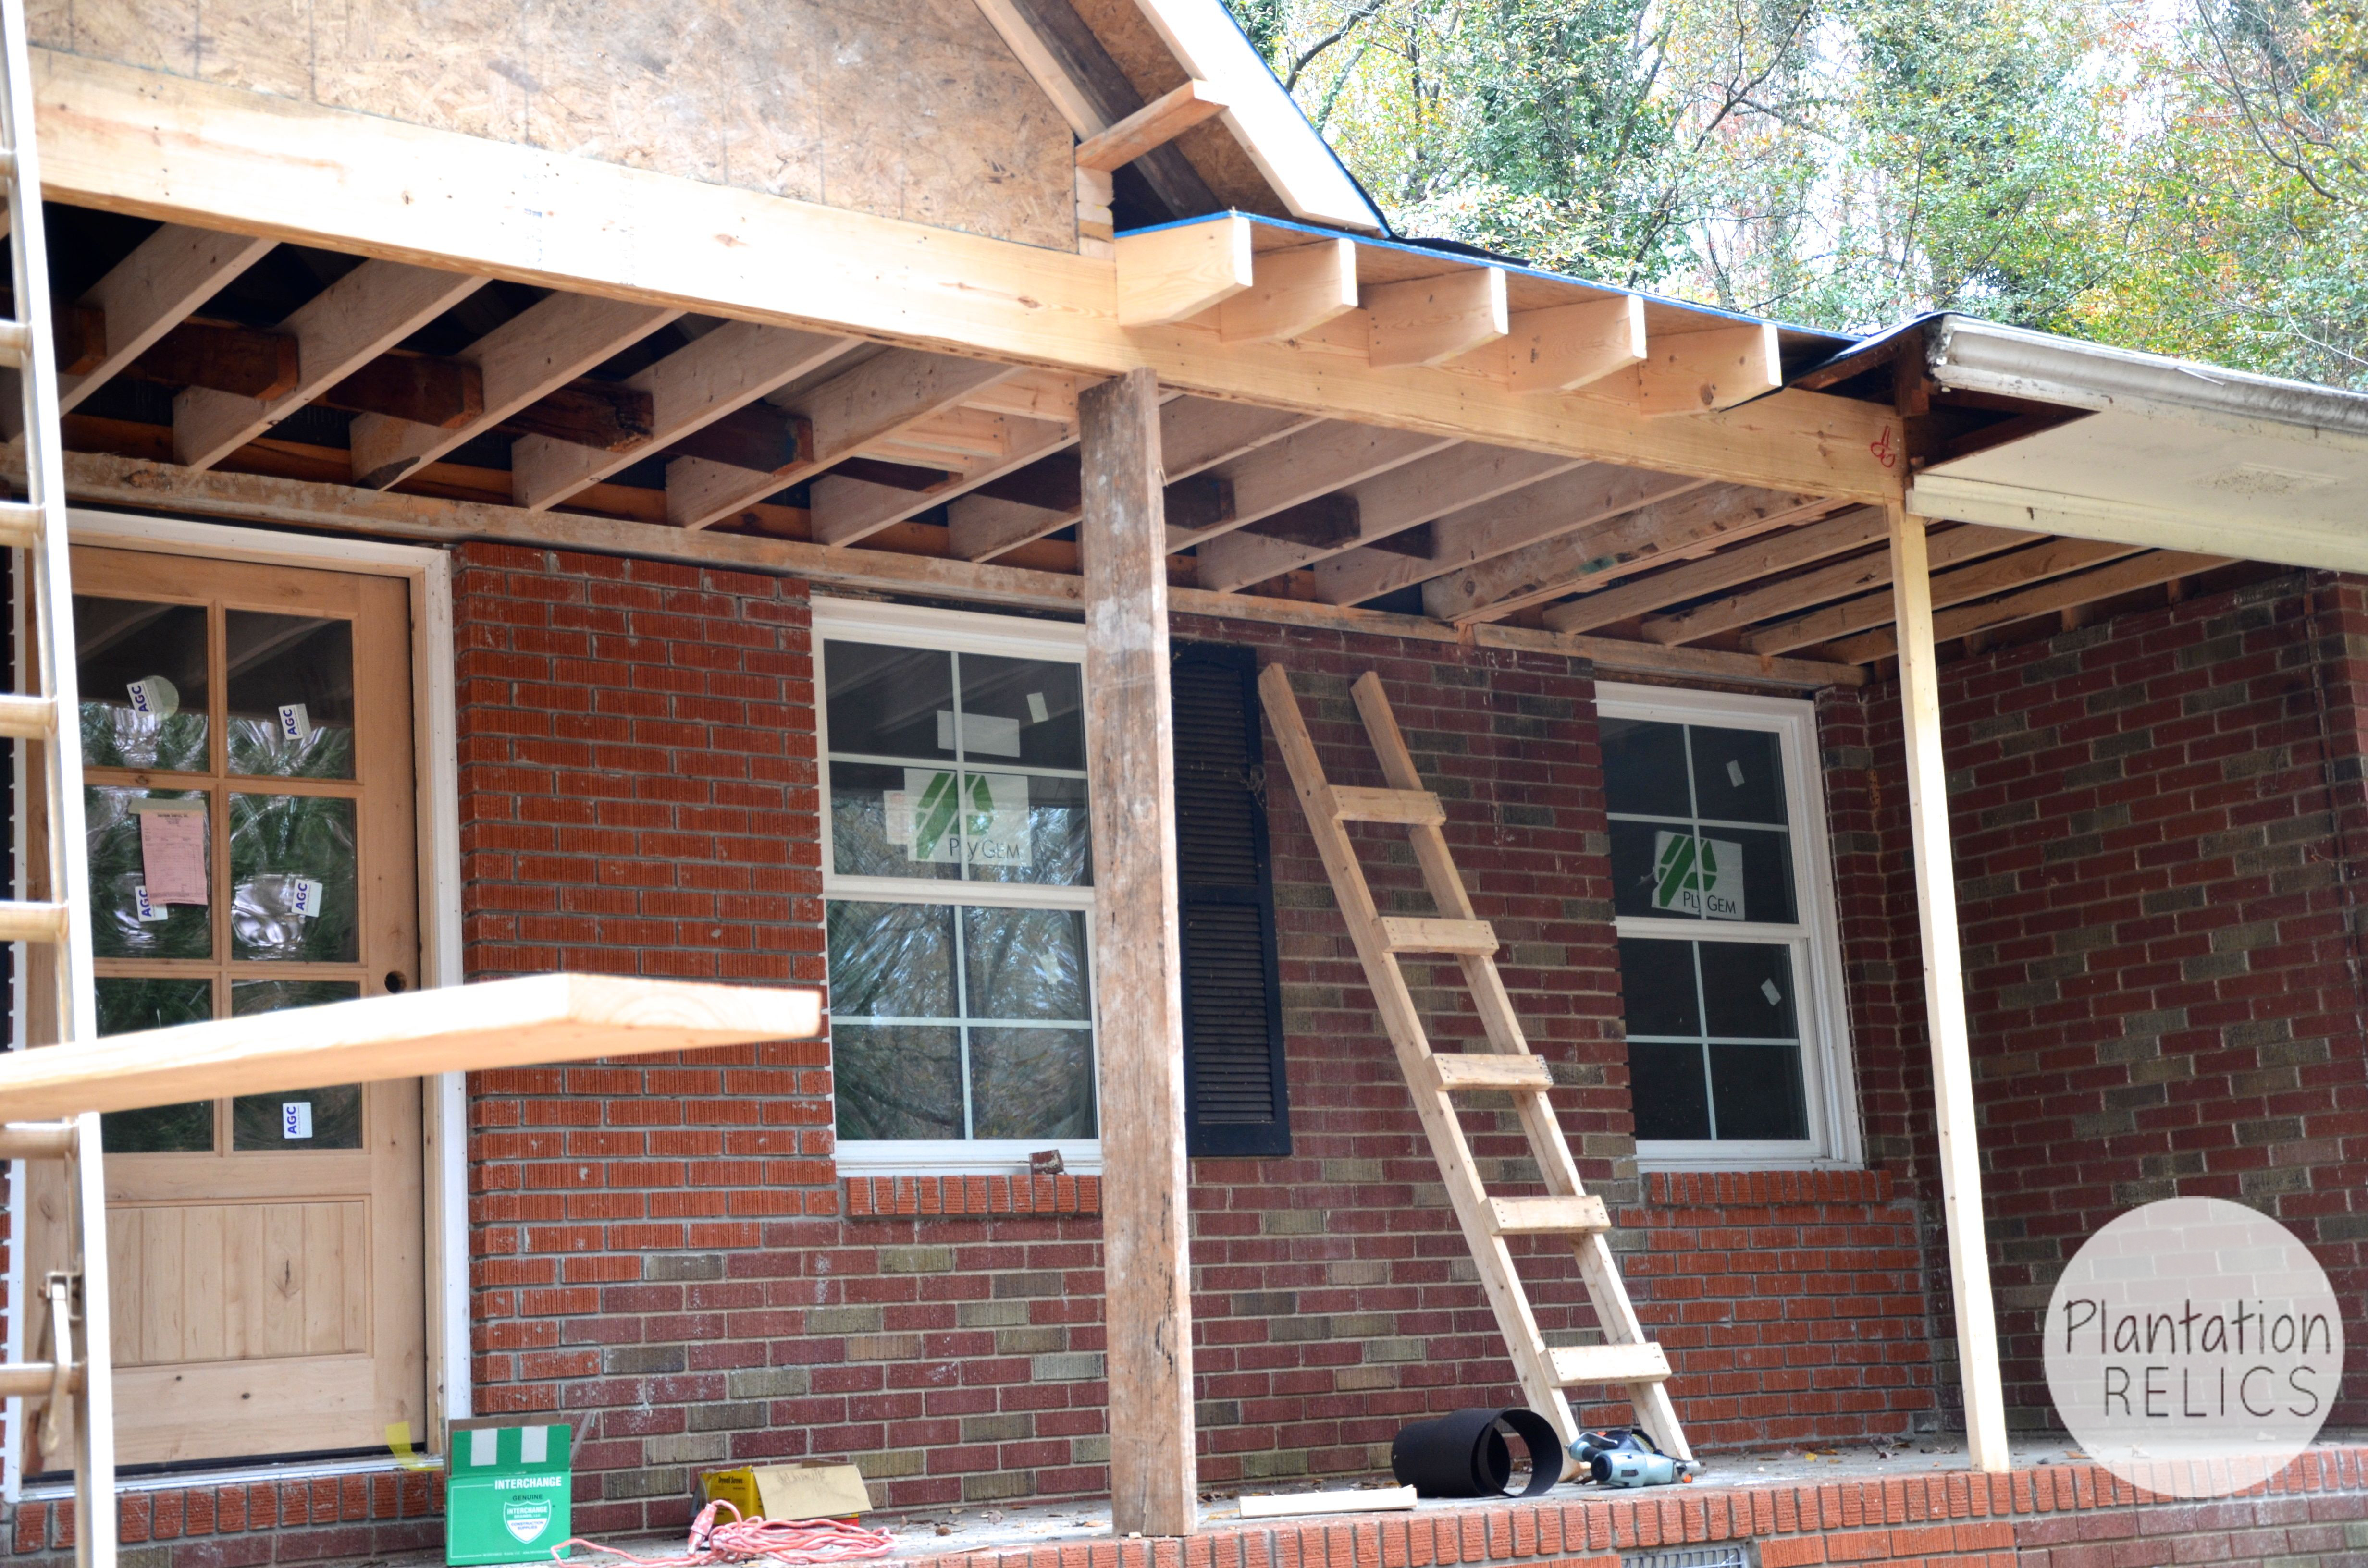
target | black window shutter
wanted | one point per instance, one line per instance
(1236, 1100)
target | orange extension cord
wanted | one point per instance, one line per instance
(714, 1541)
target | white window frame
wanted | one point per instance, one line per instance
(1829, 1088)
(959, 631)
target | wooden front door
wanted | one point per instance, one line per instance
(249, 783)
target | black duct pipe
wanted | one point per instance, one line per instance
(1463, 1455)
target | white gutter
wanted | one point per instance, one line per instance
(1969, 355)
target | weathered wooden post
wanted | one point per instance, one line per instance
(1139, 1000)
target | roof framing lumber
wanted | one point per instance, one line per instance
(2147, 571)
(1586, 496)
(1301, 467)
(500, 1023)
(716, 374)
(536, 352)
(2049, 557)
(1406, 497)
(1170, 274)
(1566, 347)
(1746, 563)
(338, 332)
(1844, 578)
(1696, 372)
(1428, 320)
(1156, 124)
(1694, 523)
(370, 186)
(1292, 292)
(92, 478)
(846, 413)
(846, 510)
(166, 280)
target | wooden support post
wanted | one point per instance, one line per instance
(1944, 994)
(1132, 763)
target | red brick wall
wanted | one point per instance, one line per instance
(2158, 827)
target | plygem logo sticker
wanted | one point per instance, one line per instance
(2193, 1347)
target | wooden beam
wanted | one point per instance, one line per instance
(1567, 348)
(534, 353)
(1130, 773)
(370, 186)
(1588, 494)
(2051, 558)
(1292, 292)
(1945, 999)
(1681, 527)
(716, 374)
(602, 416)
(338, 332)
(1765, 557)
(846, 510)
(1818, 587)
(2149, 569)
(1388, 503)
(846, 413)
(243, 360)
(97, 479)
(1301, 467)
(1167, 275)
(1700, 372)
(1156, 124)
(166, 280)
(1054, 45)
(501, 1023)
(1428, 320)
(417, 387)
(1195, 434)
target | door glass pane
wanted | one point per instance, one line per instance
(129, 919)
(143, 673)
(127, 1006)
(290, 681)
(300, 1119)
(293, 882)
(897, 1080)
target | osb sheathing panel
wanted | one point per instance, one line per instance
(1212, 150)
(914, 108)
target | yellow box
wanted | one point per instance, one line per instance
(817, 1489)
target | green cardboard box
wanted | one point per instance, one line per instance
(507, 1487)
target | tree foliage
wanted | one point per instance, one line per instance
(2186, 175)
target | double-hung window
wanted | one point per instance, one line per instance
(958, 887)
(1729, 962)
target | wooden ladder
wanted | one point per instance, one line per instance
(69, 1306)
(1627, 1359)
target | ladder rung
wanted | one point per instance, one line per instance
(34, 1379)
(1612, 1364)
(32, 921)
(7, 163)
(15, 342)
(27, 717)
(1408, 933)
(36, 1141)
(1412, 808)
(21, 525)
(1473, 1070)
(1548, 1216)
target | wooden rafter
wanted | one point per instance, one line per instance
(713, 376)
(2049, 557)
(533, 354)
(1679, 527)
(163, 282)
(1386, 505)
(1750, 562)
(1841, 580)
(847, 510)
(338, 332)
(377, 188)
(1301, 467)
(1153, 126)
(1586, 496)
(2150, 570)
